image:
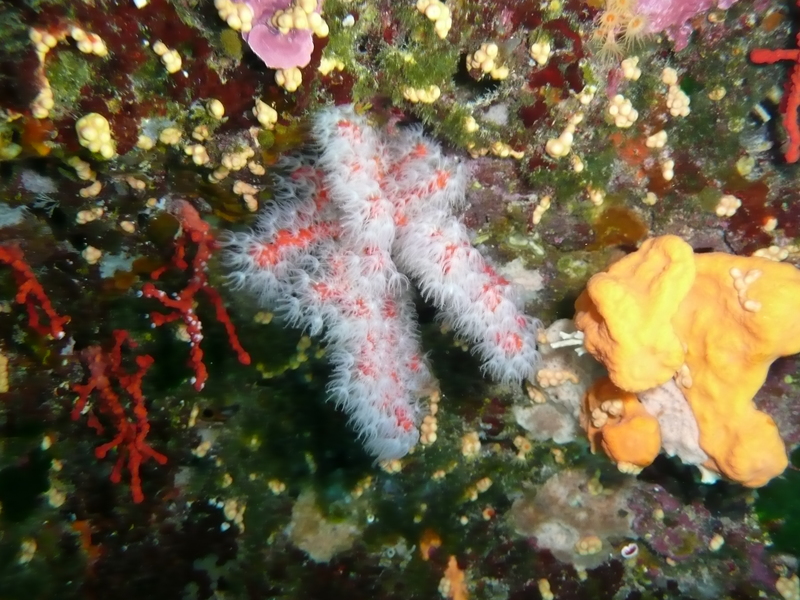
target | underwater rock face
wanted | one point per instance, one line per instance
(575, 518)
(133, 133)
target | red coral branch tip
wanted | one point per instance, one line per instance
(32, 294)
(197, 231)
(791, 102)
(129, 441)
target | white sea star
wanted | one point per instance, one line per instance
(332, 253)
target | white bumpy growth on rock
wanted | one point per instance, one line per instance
(351, 222)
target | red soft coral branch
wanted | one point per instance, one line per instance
(104, 368)
(791, 103)
(31, 293)
(197, 231)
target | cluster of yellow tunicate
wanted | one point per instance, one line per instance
(630, 68)
(145, 142)
(470, 124)
(669, 76)
(248, 193)
(198, 153)
(727, 206)
(91, 190)
(427, 430)
(540, 52)
(201, 133)
(788, 587)
(94, 133)
(289, 79)
(3, 374)
(89, 43)
(391, 466)
(82, 168)
(266, 115)
(44, 101)
(236, 161)
(127, 226)
(596, 197)
(562, 145)
(43, 41)
(242, 187)
(503, 150)
(233, 510)
(170, 136)
(255, 168)
(238, 15)
(136, 184)
(541, 208)
(55, 495)
(716, 542)
(609, 408)
(587, 94)
(218, 174)
(650, 199)
(430, 424)
(170, 58)
(668, 169)
(92, 255)
(622, 112)
(328, 64)
(361, 487)
(544, 589)
(424, 95)
(717, 94)
(776, 253)
(554, 377)
(470, 444)
(656, 140)
(216, 109)
(27, 550)
(677, 100)
(300, 15)
(439, 13)
(479, 487)
(485, 60)
(590, 544)
(276, 486)
(474, 152)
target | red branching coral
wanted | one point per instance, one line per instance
(104, 368)
(198, 232)
(791, 102)
(30, 293)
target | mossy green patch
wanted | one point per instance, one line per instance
(230, 43)
(776, 508)
(69, 72)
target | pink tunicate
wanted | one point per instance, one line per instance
(277, 50)
(673, 16)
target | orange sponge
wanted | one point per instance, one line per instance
(618, 422)
(714, 322)
(625, 313)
